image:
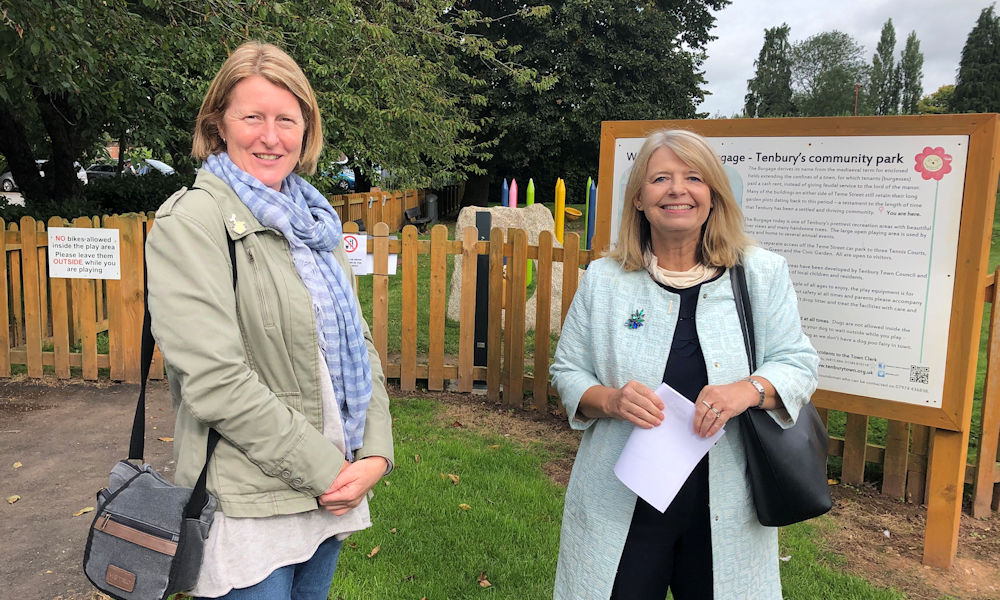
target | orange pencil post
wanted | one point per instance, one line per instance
(560, 208)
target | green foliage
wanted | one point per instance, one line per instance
(595, 60)
(126, 193)
(769, 93)
(885, 76)
(389, 77)
(977, 87)
(937, 103)
(827, 70)
(911, 66)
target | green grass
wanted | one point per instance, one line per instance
(430, 547)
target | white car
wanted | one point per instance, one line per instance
(7, 179)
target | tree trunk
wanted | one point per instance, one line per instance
(60, 174)
(14, 145)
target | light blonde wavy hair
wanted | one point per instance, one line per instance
(723, 240)
(274, 65)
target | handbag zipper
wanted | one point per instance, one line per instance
(138, 526)
(137, 533)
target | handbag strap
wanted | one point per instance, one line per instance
(741, 294)
(199, 495)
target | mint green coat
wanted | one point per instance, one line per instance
(597, 348)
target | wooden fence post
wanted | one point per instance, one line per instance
(986, 461)
(494, 329)
(4, 307)
(514, 317)
(380, 291)
(855, 447)
(438, 307)
(467, 310)
(84, 291)
(408, 320)
(41, 255)
(132, 281)
(60, 318)
(571, 270)
(897, 449)
(32, 306)
(16, 282)
(543, 306)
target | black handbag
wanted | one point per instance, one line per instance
(148, 537)
(786, 467)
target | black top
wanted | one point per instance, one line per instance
(686, 371)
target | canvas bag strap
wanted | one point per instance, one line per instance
(137, 440)
(738, 277)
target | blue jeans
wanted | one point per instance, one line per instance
(305, 581)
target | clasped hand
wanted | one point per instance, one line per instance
(352, 484)
(716, 404)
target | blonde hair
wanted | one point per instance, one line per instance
(722, 239)
(274, 65)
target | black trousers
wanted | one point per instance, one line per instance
(669, 550)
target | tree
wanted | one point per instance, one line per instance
(386, 72)
(827, 70)
(977, 87)
(937, 103)
(884, 80)
(608, 59)
(769, 93)
(911, 65)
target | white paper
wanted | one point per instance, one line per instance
(656, 462)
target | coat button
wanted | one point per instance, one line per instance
(716, 365)
(286, 473)
(297, 481)
(704, 295)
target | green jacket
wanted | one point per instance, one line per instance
(247, 365)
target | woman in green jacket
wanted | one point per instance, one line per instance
(280, 362)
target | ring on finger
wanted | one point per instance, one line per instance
(716, 411)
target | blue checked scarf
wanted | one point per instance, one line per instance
(313, 231)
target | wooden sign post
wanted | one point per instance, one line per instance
(886, 225)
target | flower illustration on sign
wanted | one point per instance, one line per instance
(933, 163)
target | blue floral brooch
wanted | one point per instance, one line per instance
(636, 320)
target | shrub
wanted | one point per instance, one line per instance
(125, 194)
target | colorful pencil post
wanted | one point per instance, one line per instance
(504, 193)
(591, 212)
(560, 209)
(512, 194)
(586, 210)
(529, 194)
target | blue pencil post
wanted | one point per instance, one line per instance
(591, 212)
(504, 193)
(586, 210)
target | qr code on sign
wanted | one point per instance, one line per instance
(919, 374)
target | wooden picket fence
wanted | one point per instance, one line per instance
(54, 326)
(389, 207)
(377, 206)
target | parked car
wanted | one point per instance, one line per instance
(99, 170)
(7, 179)
(341, 174)
(148, 165)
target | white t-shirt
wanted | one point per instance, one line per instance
(243, 551)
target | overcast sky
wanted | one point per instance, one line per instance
(942, 28)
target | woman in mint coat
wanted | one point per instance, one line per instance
(660, 308)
